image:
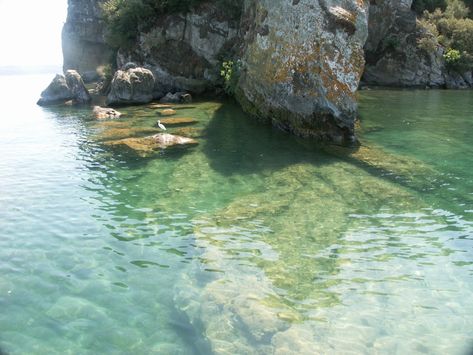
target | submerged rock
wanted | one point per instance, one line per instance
(178, 121)
(114, 133)
(159, 106)
(131, 86)
(165, 140)
(167, 112)
(191, 132)
(56, 92)
(105, 112)
(151, 143)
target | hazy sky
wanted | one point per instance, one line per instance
(30, 31)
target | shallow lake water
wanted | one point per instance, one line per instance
(251, 242)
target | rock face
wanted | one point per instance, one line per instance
(184, 51)
(76, 86)
(56, 92)
(65, 88)
(83, 40)
(393, 54)
(393, 57)
(133, 85)
(301, 60)
(302, 63)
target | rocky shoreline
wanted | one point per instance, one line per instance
(296, 65)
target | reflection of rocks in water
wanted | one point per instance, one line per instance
(149, 144)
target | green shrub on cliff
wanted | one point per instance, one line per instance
(428, 40)
(454, 31)
(420, 6)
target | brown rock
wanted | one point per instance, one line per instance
(178, 121)
(167, 112)
(189, 132)
(122, 132)
(159, 106)
(165, 140)
(151, 143)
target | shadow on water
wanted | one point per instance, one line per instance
(237, 144)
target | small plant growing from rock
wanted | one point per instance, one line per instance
(230, 73)
(452, 56)
(458, 61)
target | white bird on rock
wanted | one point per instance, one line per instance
(160, 125)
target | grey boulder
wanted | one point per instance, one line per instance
(56, 92)
(178, 97)
(77, 87)
(131, 86)
(65, 88)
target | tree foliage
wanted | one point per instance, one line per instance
(454, 31)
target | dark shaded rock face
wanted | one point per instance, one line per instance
(393, 57)
(76, 86)
(83, 42)
(393, 54)
(65, 88)
(301, 65)
(56, 92)
(132, 86)
(184, 50)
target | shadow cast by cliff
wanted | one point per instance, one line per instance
(237, 144)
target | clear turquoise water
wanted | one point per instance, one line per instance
(250, 242)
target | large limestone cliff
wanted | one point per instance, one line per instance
(83, 41)
(302, 62)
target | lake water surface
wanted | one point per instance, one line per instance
(251, 242)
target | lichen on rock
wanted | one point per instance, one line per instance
(301, 68)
